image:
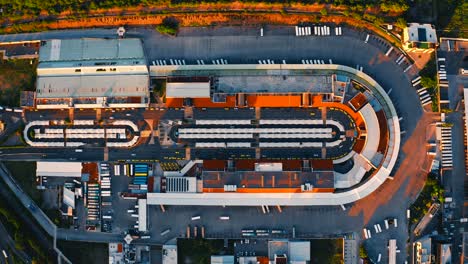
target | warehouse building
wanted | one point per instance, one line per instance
(58, 169)
(92, 73)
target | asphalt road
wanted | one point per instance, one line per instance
(25, 201)
(454, 183)
(8, 244)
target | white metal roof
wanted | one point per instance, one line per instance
(392, 251)
(57, 50)
(92, 86)
(188, 90)
(465, 96)
(222, 259)
(69, 197)
(269, 166)
(299, 251)
(58, 169)
(411, 33)
(142, 218)
(373, 131)
(169, 254)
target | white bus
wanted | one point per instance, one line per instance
(197, 217)
(165, 232)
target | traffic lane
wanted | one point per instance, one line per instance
(148, 152)
(7, 244)
(12, 123)
(378, 243)
(32, 115)
(327, 220)
(58, 154)
(22, 200)
(86, 114)
(96, 237)
(134, 115)
(457, 177)
(60, 34)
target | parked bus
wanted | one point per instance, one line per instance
(165, 232)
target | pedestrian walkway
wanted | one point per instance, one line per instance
(446, 147)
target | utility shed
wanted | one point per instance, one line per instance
(188, 90)
(58, 169)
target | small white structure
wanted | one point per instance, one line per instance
(227, 259)
(419, 36)
(169, 254)
(269, 166)
(69, 198)
(115, 253)
(142, 216)
(188, 90)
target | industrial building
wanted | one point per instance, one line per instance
(92, 73)
(297, 135)
(58, 169)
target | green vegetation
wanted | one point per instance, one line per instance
(431, 193)
(24, 173)
(326, 251)
(170, 26)
(34, 7)
(81, 252)
(447, 125)
(198, 250)
(15, 76)
(451, 17)
(160, 87)
(429, 81)
(363, 252)
(20, 233)
(401, 23)
(323, 12)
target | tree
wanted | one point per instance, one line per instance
(323, 11)
(401, 23)
(428, 82)
(170, 25)
(362, 252)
